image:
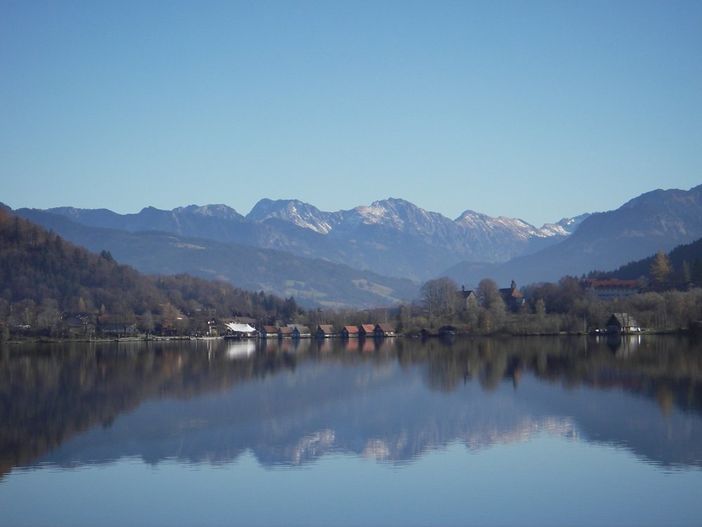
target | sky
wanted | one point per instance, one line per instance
(536, 110)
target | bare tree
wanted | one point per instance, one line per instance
(440, 297)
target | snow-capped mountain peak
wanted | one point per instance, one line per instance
(213, 211)
(294, 211)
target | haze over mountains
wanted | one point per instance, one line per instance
(311, 281)
(657, 220)
(392, 237)
(368, 255)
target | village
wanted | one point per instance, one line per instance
(243, 329)
(445, 311)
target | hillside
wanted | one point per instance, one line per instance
(312, 282)
(658, 220)
(689, 255)
(43, 276)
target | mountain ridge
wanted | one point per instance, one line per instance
(391, 237)
(312, 282)
(604, 241)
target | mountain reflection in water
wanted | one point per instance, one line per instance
(291, 402)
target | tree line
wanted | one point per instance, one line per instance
(44, 281)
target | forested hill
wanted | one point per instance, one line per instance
(43, 277)
(685, 266)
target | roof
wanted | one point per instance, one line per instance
(386, 328)
(285, 331)
(368, 328)
(509, 292)
(270, 329)
(240, 328)
(326, 328)
(244, 320)
(301, 329)
(612, 283)
(351, 329)
(623, 320)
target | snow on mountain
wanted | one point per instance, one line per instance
(477, 222)
(564, 227)
(392, 237)
(398, 214)
(214, 211)
(294, 211)
(398, 223)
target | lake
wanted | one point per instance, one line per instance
(518, 431)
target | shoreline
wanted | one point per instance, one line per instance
(151, 338)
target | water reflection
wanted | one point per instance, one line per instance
(240, 348)
(290, 402)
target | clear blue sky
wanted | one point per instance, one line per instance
(530, 109)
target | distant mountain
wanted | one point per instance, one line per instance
(296, 212)
(658, 220)
(313, 282)
(392, 237)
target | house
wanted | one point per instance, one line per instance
(269, 332)
(612, 288)
(300, 332)
(79, 324)
(119, 330)
(622, 323)
(324, 331)
(384, 330)
(349, 332)
(467, 296)
(512, 297)
(237, 330)
(212, 328)
(366, 330)
(285, 332)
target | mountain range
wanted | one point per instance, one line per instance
(391, 237)
(654, 221)
(313, 282)
(375, 254)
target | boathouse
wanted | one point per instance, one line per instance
(300, 332)
(366, 330)
(349, 332)
(325, 331)
(269, 332)
(384, 330)
(622, 323)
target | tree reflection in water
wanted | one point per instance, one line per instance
(290, 402)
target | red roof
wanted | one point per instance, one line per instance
(368, 328)
(351, 329)
(609, 283)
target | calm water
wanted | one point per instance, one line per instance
(475, 432)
